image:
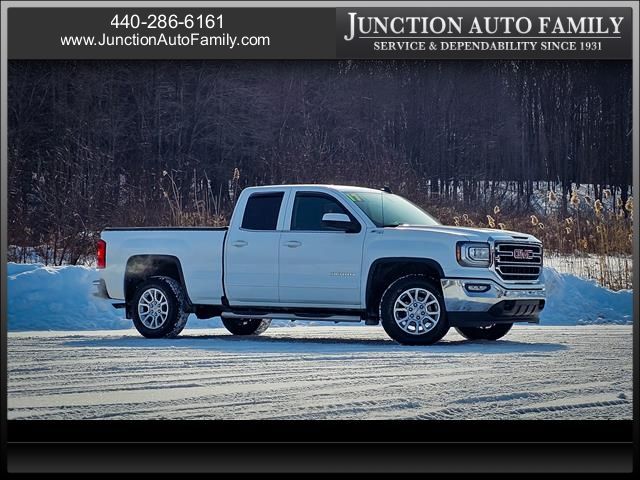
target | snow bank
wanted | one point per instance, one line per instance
(57, 298)
(60, 298)
(573, 300)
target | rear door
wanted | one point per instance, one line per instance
(319, 265)
(252, 248)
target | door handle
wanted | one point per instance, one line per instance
(293, 244)
(240, 243)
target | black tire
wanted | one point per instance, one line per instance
(246, 326)
(492, 332)
(387, 316)
(176, 311)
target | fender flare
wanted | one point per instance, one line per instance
(150, 258)
(429, 262)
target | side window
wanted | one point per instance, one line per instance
(261, 211)
(309, 208)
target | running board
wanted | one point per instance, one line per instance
(293, 317)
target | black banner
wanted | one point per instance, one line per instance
(321, 33)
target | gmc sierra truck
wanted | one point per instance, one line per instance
(325, 252)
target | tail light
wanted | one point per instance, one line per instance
(101, 255)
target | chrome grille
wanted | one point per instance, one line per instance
(518, 261)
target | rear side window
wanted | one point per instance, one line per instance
(309, 208)
(262, 210)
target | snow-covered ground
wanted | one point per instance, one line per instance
(326, 372)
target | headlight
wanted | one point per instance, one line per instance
(473, 254)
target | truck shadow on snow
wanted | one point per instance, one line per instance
(277, 344)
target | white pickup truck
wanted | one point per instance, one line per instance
(325, 252)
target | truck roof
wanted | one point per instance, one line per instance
(341, 188)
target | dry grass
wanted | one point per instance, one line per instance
(612, 271)
(198, 205)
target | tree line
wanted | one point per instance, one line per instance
(93, 144)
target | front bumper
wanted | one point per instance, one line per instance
(472, 302)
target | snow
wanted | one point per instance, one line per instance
(61, 298)
(57, 298)
(574, 300)
(321, 372)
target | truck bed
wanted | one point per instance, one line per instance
(121, 229)
(198, 249)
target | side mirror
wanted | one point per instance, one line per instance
(340, 221)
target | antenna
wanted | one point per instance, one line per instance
(386, 189)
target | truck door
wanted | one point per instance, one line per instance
(320, 261)
(251, 251)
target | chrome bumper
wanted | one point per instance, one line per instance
(471, 301)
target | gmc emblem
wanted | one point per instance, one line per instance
(522, 254)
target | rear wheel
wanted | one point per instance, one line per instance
(490, 332)
(412, 311)
(159, 308)
(246, 326)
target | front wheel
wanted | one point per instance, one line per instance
(412, 311)
(246, 326)
(490, 332)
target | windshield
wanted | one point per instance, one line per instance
(388, 210)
